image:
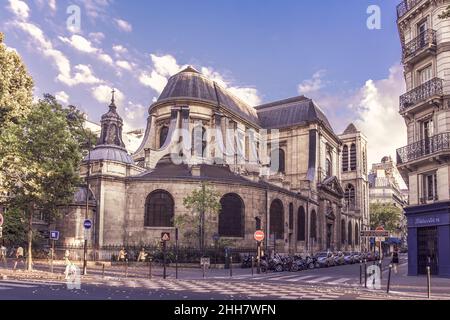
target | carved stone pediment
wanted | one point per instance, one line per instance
(332, 185)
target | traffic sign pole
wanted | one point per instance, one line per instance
(164, 258)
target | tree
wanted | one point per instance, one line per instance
(14, 229)
(445, 14)
(39, 160)
(16, 86)
(205, 204)
(385, 215)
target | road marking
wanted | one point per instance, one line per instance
(300, 278)
(339, 281)
(281, 278)
(16, 285)
(3, 288)
(319, 279)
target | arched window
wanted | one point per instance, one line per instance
(277, 219)
(350, 235)
(313, 225)
(343, 237)
(291, 216)
(364, 159)
(345, 159)
(329, 164)
(357, 234)
(159, 209)
(349, 197)
(231, 216)
(163, 136)
(353, 157)
(199, 141)
(301, 224)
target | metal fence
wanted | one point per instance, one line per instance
(218, 255)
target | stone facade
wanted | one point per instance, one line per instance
(278, 165)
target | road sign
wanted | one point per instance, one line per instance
(1, 220)
(54, 235)
(374, 234)
(259, 235)
(216, 237)
(1, 232)
(87, 224)
(205, 261)
(380, 229)
(165, 236)
(380, 239)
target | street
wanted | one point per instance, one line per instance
(334, 283)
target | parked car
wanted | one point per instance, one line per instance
(339, 259)
(325, 259)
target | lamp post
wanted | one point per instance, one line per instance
(86, 215)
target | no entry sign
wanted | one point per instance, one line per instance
(1, 220)
(259, 235)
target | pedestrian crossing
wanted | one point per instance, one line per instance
(6, 285)
(297, 278)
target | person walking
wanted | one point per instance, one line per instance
(3, 254)
(395, 259)
(19, 257)
(142, 255)
(122, 257)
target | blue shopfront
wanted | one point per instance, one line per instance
(428, 239)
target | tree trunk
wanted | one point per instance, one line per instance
(30, 242)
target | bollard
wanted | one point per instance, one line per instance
(381, 269)
(360, 273)
(150, 268)
(253, 265)
(429, 282)
(365, 274)
(231, 267)
(203, 268)
(389, 278)
(126, 269)
(103, 271)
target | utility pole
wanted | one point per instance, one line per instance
(86, 215)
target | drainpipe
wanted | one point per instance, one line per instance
(267, 220)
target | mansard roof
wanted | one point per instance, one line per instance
(191, 84)
(290, 112)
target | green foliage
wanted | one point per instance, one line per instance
(386, 215)
(39, 160)
(445, 14)
(205, 206)
(16, 86)
(14, 229)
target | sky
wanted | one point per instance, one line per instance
(262, 51)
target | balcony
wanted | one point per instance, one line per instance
(405, 6)
(430, 89)
(424, 43)
(424, 148)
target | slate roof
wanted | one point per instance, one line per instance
(294, 111)
(351, 129)
(109, 152)
(190, 84)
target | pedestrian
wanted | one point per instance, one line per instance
(395, 260)
(19, 257)
(142, 255)
(122, 255)
(3, 254)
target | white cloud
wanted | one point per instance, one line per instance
(377, 108)
(102, 94)
(312, 85)
(62, 97)
(123, 25)
(52, 5)
(97, 37)
(166, 66)
(119, 49)
(124, 65)
(19, 8)
(83, 75)
(84, 45)
(95, 8)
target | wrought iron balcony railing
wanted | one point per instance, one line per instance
(431, 88)
(405, 6)
(425, 40)
(423, 148)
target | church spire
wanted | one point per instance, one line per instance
(113, 102)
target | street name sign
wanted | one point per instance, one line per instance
(374, 234)
(205, 261)
(1, 220)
